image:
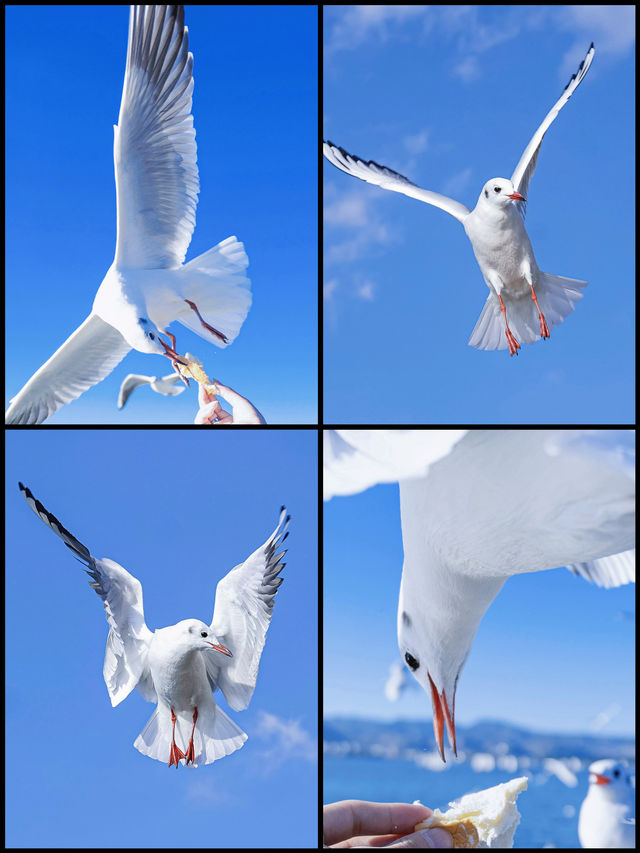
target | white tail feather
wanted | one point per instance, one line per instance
(216, 282)
(215, 736)
(556, 295)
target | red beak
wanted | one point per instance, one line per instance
(220, 648)
(598, 779)
(441, 716)
(516, 196)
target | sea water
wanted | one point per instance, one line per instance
(549, 810)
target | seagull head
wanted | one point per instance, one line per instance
(500, 193)
(142, 335)
(194, 634)
(612, 779)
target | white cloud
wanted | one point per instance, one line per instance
(417, 143)
(329, 288)
(458, 184)
(365, 291)
(359, 24)
(287, 740)
(350, 210)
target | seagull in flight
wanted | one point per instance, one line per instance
(148, 285)
(524, 303)
(179, 667)
(166, 385)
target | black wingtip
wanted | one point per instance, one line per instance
(282, 508)
(591, 46)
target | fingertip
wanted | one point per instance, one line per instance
(437, 837)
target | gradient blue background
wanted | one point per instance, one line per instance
(551, 653)
(178, 510)
(450, 96)
(255, 115)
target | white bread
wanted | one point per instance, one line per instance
(485, 819)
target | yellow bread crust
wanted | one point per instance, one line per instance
(463, 832)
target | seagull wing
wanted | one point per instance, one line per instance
(354, 459)
(130, 383)
(241, 616)
(608, 571)
(381, 176)
(125, 660)
(527, 165)
(154, 143)
(82, 361)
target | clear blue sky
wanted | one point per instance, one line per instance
(450, 96)
(255, 113)
(552, 651)
(178, 510)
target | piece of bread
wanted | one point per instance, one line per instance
(485, 819)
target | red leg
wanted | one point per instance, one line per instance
(544, 329)
(189, 756)
(514, 346)
(176, 753)
(218, 334)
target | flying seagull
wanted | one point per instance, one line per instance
(178, 667)
(166, 385)
(148, 286)
(478, 507)
(524, 303)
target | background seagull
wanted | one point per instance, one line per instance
(524, 303)
(607, 815)
(167, 385)
(148, 286)
(178, 667)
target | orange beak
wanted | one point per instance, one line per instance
(220, 648)
(598, 779)
(441, 716)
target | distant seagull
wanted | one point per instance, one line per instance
(168, 385)
(608, 815)
(481, 508)
(178, 667)
(523, 303)
(148, 286)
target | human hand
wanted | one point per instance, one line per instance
(211, 412)
(354, 823)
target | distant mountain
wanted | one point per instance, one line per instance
(490, 736)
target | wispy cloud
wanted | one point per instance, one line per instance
(417, 143)
(287, 740)
(359, 24)
(366, 291)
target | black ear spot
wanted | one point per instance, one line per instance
(486, 193)
(406, 619)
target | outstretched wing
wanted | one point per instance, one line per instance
(381, 176)
(125, 660)
(83, 360)
(241, 616)
(527, 165)
(155, 144)
(129, 385)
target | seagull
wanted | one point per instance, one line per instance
(166, 385)
(524, 303)
(148, 285)
(178, 667)
(607, 815)
(480, 508)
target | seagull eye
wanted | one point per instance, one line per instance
(496, 189)
(152, 336)
(616, 773)
(203, 633)
(411, 661)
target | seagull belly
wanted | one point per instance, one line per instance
(180, 678)
(504, 254)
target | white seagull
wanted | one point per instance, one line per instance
(166, 385)
(523, 303)
(148, 286)
(608, 815)
(178, 667)
(479, 508)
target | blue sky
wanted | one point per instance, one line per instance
(450, 96)
(255, 113)
(551, 653)
(178, 511)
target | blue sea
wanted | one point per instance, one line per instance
(548, 808)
